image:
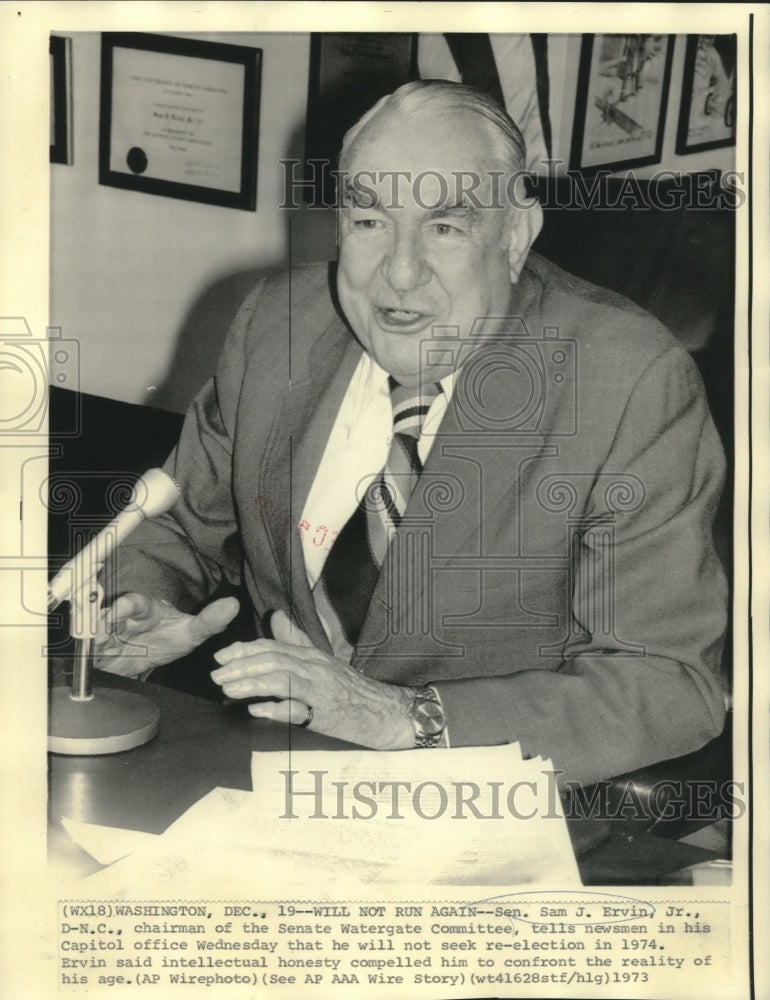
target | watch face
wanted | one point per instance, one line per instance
(429, 716)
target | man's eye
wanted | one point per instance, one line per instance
(444, 229)
(367, 224)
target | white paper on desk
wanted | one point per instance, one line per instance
(107, 844)
(224, 847)
(234, 841)
(454, 848)
(223, 843)
(247, 842)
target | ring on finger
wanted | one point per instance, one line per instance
(308, 718)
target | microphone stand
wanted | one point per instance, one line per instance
(84, 721)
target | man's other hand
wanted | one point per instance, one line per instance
(345, 703)
(143, 632)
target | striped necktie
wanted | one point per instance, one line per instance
(345, 587)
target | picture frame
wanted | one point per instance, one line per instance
(60, 53)
(621, 101)
(707, 111)
(180, 117)
(349, 72)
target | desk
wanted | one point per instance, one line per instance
(202, 744)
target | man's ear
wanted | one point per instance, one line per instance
(524, 223)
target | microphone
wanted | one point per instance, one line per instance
(154, 493)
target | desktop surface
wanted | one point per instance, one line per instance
(203, 744)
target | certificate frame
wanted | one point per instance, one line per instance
(602, 87)
(212, 156)
(60, 52)
(349, 72)
(706, 117)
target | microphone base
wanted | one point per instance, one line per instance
(109, 722)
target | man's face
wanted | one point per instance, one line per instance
(415, 254)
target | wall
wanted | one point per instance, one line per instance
(133, 274)
(148, 284)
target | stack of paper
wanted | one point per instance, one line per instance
(318, 821)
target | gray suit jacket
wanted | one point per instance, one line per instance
(554, 575)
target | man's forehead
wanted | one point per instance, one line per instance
(446, 140)
(402, 160)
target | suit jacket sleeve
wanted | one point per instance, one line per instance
(184, 556)
(639, 681)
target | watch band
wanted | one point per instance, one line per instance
(428, 718)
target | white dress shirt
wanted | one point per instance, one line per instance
(355, 453)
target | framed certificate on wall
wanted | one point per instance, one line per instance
(180, 117)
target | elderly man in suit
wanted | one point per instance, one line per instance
(470, 496)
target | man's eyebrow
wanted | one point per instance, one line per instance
(463, 211)
(361, 196)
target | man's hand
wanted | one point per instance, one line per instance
(345, 703)
(144, 632)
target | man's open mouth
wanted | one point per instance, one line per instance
(401, 317)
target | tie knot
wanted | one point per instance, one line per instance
(410, 406)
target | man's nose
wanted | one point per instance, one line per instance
(405, 266)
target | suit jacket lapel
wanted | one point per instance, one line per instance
(456, 466)
(439, 473)
(303, 420)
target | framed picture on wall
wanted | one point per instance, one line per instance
(180, 117)
(60, 54)
(621, 101)
(707, 112)
(349, 72)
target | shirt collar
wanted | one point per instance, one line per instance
(374, 378)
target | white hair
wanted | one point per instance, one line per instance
(439, 96)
